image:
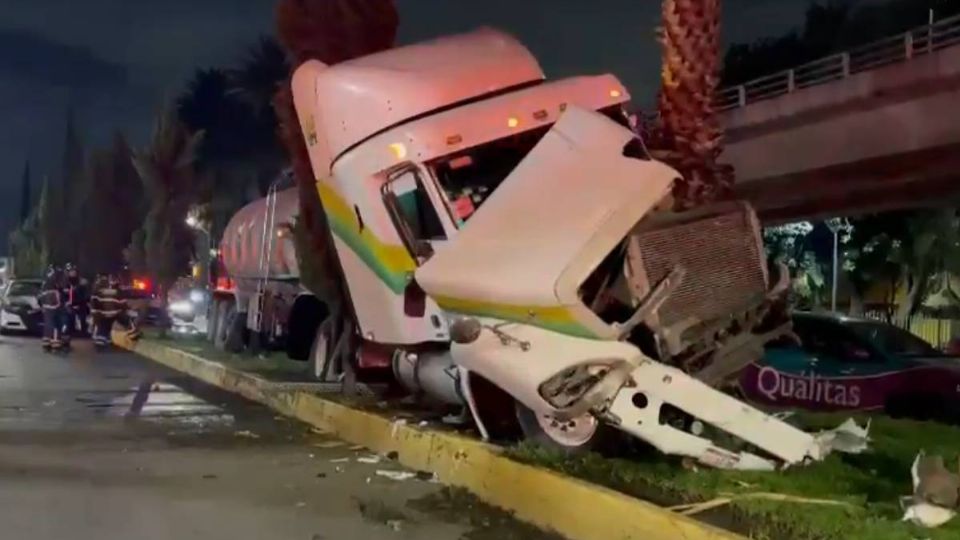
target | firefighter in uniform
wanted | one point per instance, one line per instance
(51, 302)
(78, 298)
(108, 307)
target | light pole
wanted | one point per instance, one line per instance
(194, 223)
(834, 226)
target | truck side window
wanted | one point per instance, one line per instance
(413, 212)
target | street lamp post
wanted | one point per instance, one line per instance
(194, 223)
(834, 225)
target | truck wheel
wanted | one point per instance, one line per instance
(570, 437)
(320, 358)
(224, 308)
(236, 326)
(213, 319)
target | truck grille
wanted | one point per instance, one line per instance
(720, 249)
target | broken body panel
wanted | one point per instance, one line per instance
(552, 275)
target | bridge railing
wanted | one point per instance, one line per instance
(903, 47)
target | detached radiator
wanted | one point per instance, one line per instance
(721, 249)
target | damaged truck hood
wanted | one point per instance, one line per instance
(524, 254)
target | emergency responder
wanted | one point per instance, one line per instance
(78, 297)
(51, 303)
(108, 307)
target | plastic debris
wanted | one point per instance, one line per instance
(246, 433)
(394, 524)
(340, 460)
(358, 447)
(848, 437)
(395, 425)
(369, 460)
(936, 492)
(399, 476)
(50, 403)
(328, 444)
(301, 504)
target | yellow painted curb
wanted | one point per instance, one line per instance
(573, 508)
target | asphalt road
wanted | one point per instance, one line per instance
(97, 446)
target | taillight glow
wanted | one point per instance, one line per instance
(141, 284)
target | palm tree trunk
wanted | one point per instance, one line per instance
(688, 135)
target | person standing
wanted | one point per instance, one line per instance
(78, 298)
(107, 308)
(51, 304)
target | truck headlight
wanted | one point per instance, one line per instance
(182, 307)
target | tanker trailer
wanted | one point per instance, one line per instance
(257, 297)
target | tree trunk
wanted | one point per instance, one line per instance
(688, 135)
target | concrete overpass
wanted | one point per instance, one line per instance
(875, 128)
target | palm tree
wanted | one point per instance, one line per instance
(166, 168)
(688, 134)
(330, 31)
(262, 71)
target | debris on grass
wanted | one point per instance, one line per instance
(369, 460)
(936, 492)
(246, 434)
(399, 476)
(871, 484)
(848, 437)
(328, 444)
(340, 460)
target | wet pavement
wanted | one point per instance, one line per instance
(99, 446)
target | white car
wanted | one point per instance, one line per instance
(19, 307)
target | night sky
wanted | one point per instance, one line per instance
(115, 61)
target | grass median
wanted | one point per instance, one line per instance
(844, 497)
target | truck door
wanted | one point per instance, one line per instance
(412, 206)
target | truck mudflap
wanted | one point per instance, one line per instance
(565, 377)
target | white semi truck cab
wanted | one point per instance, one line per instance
(508, 245)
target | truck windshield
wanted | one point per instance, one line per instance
(468, 178)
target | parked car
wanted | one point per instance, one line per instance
(19, 308)
(852, 364)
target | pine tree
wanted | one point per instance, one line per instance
(62, 216)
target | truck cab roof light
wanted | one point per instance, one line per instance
(615, 93)
(513, 122)
(399, 150)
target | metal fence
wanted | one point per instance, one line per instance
(903, 47)
(938, 332)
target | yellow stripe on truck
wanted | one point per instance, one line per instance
(391, 263)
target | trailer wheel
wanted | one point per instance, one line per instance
(213, 319)
(223, 318)
(570, 437)
(235, 330)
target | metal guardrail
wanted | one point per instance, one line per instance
(903, 47)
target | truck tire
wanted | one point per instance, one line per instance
(571, 437)
(235, 330)
(224, 308)
(213, 312)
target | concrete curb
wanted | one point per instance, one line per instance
(573, 508)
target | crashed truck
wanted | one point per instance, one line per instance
(509, 247)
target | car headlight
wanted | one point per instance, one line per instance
(197, 296)
(182, 307)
